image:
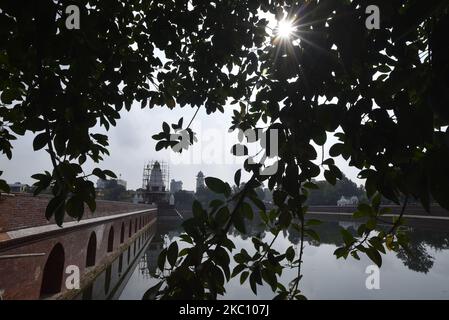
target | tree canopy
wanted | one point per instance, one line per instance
(382, 92)
(328, 194)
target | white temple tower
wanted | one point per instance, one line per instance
(200, 181)
(155, 180)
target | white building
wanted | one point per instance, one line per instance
(343, 202)
(200, 181)
(175, 186)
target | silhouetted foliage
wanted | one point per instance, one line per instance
(383, 93)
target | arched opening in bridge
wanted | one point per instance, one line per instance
(111, 240)
(107, 280)
(130, 228)
(122, 233)
(120, 263)
(53, 272)
(91, 250)
(88, 293)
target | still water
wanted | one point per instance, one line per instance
(423, 273)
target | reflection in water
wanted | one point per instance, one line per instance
(109, 283)
(417, 258)
(421, 271)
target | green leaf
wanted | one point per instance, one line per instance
(161, 259)
(184, 237)
(320, 138)
(377, 243)
(252, 282)
(4, 186)
(109, 173)
(290, 254)
(348, 238)
(270, 278)
(330, 177)
(215, 203)
(239, 268)
(336, 150)
(222, 216)
(259, 203)
(376, 202)
(312, 233)
(216, 185)
(197, 210)
(91, 203)
(244, 276)
(355, 255)
(341, 252)
(152, 293)
(310, 185)
(99, 173)
(165, 127)
(40, 141)
(237, 177)
(53, 205)
(365, 209)
(247, 211)
(374, 255)
(239, 223)
(221, 256)
(371, 224)
(383, 69)
(279, 197)
(75, 207)
(160, 145)
(171, 103)
(336, 172)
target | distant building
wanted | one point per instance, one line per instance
(137, 198)
(155, 182)
(121, 182)
(103, 183)
(349, 224)
(353, 201)
(200, 181)
(18, 187)
(175, 186)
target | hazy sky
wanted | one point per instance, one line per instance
(131, 146)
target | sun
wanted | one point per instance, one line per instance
(285, 29)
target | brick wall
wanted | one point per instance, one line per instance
(22, 277)
(18, 211)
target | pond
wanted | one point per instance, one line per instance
(422, 273)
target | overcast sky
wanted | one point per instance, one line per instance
(131, 146)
